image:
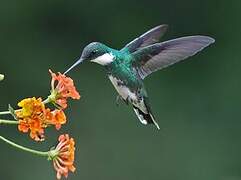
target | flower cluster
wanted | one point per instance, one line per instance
(62, 90)
(34, 116)
(63, 156)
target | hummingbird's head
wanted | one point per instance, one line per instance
(98, 53)
(95, 52)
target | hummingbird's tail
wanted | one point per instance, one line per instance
(145, 118)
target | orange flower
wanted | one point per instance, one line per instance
(35, 126)
(30, 117)
(34, 117)
(63, 156)
(62, 90)
(56, 117)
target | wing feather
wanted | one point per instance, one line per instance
(150, 37)
(161, 55)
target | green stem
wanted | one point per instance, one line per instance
(5, 112)
(8, 112)
(46, 101)
(4, 121)
(40, 153)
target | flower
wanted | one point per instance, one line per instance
(35, 117)
(62, 89)
(30, 117)
(35, 127)
(56, 117)
(63, 156)
(30, 106)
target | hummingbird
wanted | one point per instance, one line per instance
(128, 67)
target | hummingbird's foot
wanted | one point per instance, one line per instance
(128, 100)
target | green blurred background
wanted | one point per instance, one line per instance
(197, 102)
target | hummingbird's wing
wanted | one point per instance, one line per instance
(160, 55)
(150, 37)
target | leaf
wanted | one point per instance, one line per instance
(12, 111)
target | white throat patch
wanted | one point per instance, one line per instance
(104, 59)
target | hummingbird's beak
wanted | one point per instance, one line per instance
(75, 64)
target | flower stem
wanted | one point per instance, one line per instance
(40, 153)
(4, 121)
(46, 101)
(5, 112)
(9, 112)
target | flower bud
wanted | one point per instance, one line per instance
(1, 77)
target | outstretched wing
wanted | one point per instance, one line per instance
(161, 55)
(150, 37)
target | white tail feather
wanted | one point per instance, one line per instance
(143, 120)
(140, 117)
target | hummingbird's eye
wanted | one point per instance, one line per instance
(93, 52)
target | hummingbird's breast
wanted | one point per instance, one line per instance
(128, 94)
(126, 82)
(123, 90)
(124, 74)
